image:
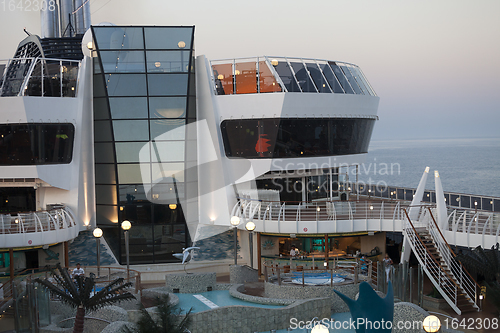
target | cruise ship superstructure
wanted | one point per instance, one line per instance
(101, 124)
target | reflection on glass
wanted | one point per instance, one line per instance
(168, 38)
(353, 82)
(332, 80)
(167, 107)
(167, 84)
(318, 78)
(128, 152)
(356, 72)
(126, 84)
(102, 131)
(131, 130)
(246, 77)
(286, 76)
(122, 61)
(341, 78)
(130, 194)
(167, 172)
(105, 194)
(101, 108)
(128, 107)
(134, 173)
(168, 129)
(105, 174)
(167, 61)
(104, 152)
(167, 151)
(271, 138)
(117, 38)
(303, 77)
(223, 75)
(106, 214)
(267, 81)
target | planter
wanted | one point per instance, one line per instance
(435, 303)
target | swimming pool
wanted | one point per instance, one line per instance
(214, 299)
(317, 279)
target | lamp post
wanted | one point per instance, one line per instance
(235, 220)
(98, 234)
(250, 226)
(126, 225)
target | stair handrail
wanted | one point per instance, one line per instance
(452, 263)
(447, 293)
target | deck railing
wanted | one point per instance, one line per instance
(38, 221)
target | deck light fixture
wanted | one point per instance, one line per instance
(98, 234)
(126, 225)
(274, 62)
(431, 324)
(172, 206)
(181, 44)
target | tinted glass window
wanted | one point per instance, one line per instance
(327, 71)
(122, 61)
(116, 38)
(341, 78)
(36, 144)
(286, 76)
(168, 129)
(168, 38)
(167, 107)
(167, 61)
(130, 152)
(126, 84)
(271, 138)
(167, 84)
(351, 79)
(131, 130)
(303, 77)
(129, 107)
(318, 78)
(105, 174)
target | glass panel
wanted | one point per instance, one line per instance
(130, 194)
(246, 77)
(101, 108)
(167, 107)
(129, 107)
(130, 152)
(116, 38)
(167, 61)
(267, 81)
(99, 87)
(167, 151)
(168, 129)
(104, 153)
(265, 138)
(134, 173)
(167, 172)
(303, 77)
(192, 107)
(106, 215)
(318, 78)
(367, 84)
(353, 82)
(105, 174)
(123, 61)
(36, 144)
(165, 192)
(131, 130)
(359, 80)
(332, 80)
(168, 37)
(52, 80)
(286, 76)
(223, 75)
(126, 84)
(70, 78)
(102, 131)
(105, 194)
(341, 78)
(167, 84)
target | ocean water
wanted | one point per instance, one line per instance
(469, 166)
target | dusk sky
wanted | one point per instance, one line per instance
(434, 63)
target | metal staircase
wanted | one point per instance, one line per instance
(434, 254)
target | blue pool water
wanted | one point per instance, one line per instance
(219, 298)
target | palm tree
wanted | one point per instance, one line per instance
(166, 319)
(78, 295)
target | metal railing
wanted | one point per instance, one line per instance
(45, 77)
(296, 272)
(450, 285)
(39, 221)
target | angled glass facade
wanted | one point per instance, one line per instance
(144, 97)
(266, 74)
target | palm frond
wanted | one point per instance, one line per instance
(57, 292)
(109, 301)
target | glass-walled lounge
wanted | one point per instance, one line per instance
(144, 98)
(280, 74)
